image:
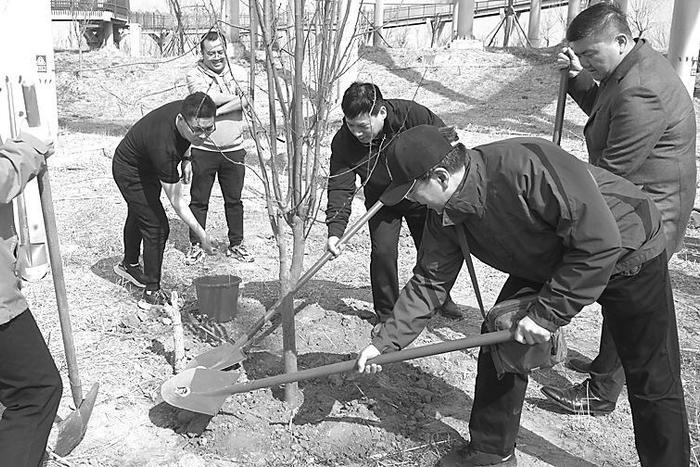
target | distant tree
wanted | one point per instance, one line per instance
(176, 10)
(640, 15)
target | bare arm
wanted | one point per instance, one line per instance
(174, 193)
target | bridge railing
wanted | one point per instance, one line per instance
(89, 8)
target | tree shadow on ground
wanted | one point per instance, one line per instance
(403, 400)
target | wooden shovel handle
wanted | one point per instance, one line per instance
(490, 338)
(273, 310)
(561, 104)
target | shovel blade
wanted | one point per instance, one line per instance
(72, 429)
(198, 390)
(219, 358)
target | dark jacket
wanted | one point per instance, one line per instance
(20, 160)
(349, 158)
(641, 126)
(534, 211)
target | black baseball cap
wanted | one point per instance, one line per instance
(412, 154)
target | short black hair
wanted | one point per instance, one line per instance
(452, 162)
(198, 105)
(361, 98)
(599, 18)
(211, 35)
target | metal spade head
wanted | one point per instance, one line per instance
(198, 389)
(219, 358)
(72, 429)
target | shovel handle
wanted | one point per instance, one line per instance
(273, 310)
(55, 255)
(561, 104)
(490, 338)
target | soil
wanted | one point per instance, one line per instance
(409, 415)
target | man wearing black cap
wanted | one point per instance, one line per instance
(576, 233)
(358, 149)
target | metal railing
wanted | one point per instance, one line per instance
(91, 8)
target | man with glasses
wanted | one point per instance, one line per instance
(221, 153)
(145, 162)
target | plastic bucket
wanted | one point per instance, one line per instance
(218, 296)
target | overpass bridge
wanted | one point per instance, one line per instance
(105, 20)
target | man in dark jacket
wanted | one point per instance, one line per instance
(576, 233)
(30, 386)
(641, 126)
(370, 125)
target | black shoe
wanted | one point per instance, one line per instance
(153, 299)
(239, 252)
(130, 273)
(579, 365)
(579, 399)
(468, 457)
(450, 310)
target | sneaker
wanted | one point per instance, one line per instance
(153, 299)
(240, 253)
(468, 457)
(194, 254)
(450, 310)
(131, 273)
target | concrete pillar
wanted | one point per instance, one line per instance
(134, 39)
(378, 41)
(533, 30)
(34, 62)
(684, 41)
(573, 10)
(465, 19)
(233, 8)
(107, 34)
(349, 43)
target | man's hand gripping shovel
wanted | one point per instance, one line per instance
(71, 430)
(204, 390)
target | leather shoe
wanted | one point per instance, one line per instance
(468, 457)
(579, 399)
(579, 365)
(450, 310)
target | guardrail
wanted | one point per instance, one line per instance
(90, 8)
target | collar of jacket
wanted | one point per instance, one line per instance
(628, 62)
(470, 197)
(203, 68)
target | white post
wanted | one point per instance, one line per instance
(233, 20)
(134, 39)
(684, 41)
(465, 19)
(348, 45)
(533, 30)
(378, 41)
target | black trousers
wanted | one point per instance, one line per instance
(641, 317)
(30, 389)
(384, 230)
(607, 374)
(205, 166)
(146, 222)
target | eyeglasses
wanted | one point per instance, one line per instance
(199, 131)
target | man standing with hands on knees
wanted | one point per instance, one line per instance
(574, 232)
(370, 124)
(146, 162)
(641, 126)
(30, 386)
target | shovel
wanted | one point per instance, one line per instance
(204, 391)
(227, 355)
(561, 104)
(71, 430)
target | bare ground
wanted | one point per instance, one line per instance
(409, 415)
